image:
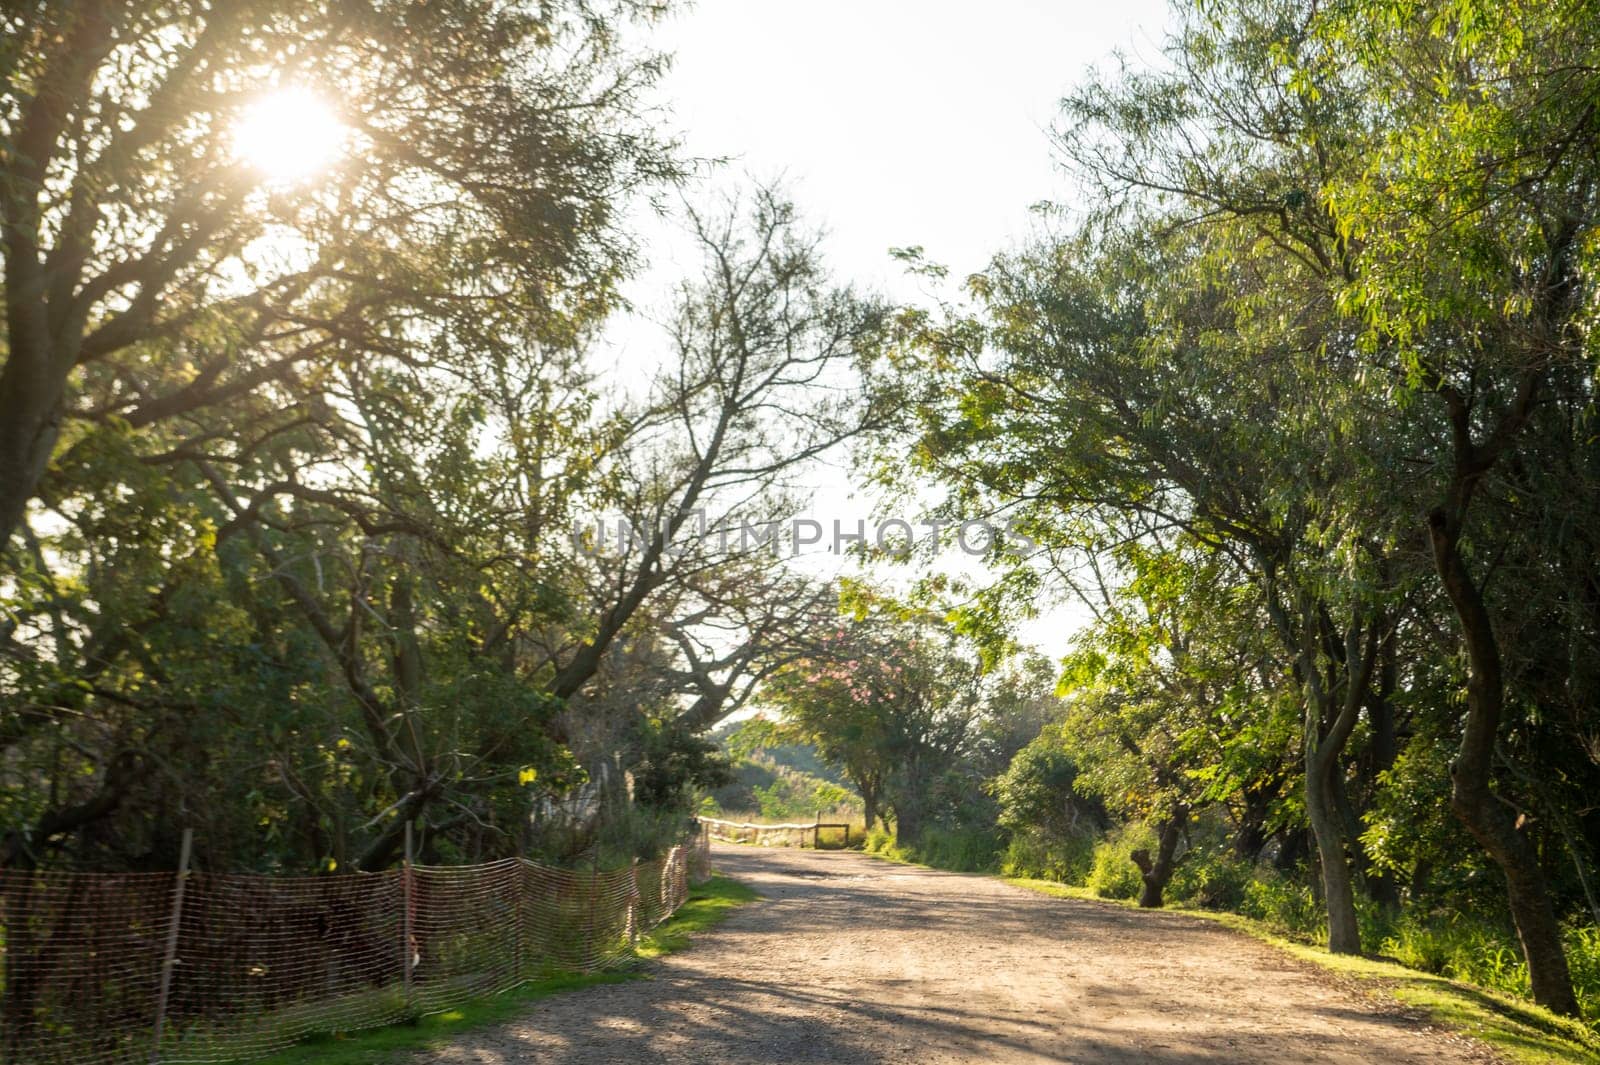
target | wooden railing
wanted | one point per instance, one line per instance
(756, 828)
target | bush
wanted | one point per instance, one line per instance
(1113, 874)
(628, 831)
(881, 841)
(1583, 958)
(1212, 879)
(964, 850)
(1035, 854)
(1486, 953)
(1287, 907)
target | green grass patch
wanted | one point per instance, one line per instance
(1519, 1030)
(709, 904)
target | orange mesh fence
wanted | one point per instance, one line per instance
(260, 962)
(82, 965)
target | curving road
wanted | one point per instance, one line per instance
(852, 959)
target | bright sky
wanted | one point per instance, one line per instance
(896, 122)
(892, 123)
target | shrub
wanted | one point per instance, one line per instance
(1035, 854)
(881, 841)
(1113, 874)
(627, 831)
(964, 850)
(1212, 879)
(1583, 958)
(1486, 953)
(1287, 907)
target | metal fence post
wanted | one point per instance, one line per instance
(406, 952)
(170, 956)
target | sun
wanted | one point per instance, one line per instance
(289, 135)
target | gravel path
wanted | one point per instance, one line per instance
(851, 959)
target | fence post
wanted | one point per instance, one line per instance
(816, 833)
(635, 901)
(170, 956)
(516, 921)
(591, 938)
(405, 920)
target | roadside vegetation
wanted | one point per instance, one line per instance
(709, 904)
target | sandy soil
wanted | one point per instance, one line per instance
(851, 959)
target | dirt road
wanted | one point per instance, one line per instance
(851, 959)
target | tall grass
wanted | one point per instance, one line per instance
(1036, 856)
(1464, 948)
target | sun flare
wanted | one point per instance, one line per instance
(289, 135)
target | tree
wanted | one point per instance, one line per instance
(1161, 689)
(402, 549)
(889, 698)
(1475, 215)
(152, 275)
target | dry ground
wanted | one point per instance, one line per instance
(852, 959)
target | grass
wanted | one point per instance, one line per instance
(709, 904)
(1522, 1032)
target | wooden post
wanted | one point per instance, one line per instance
(406, 953)
(516, 922)
(170, 957)
(816, 832)
(634, 901)
(593, 932)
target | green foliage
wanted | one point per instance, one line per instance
(1037, 791)
(880, 841)
(757, 739)
(1112, 874)
(1212, 878)
(627, 831)
(1461, 947)
(709, 904)
(782, 801)
(781, 779)
(961, 850)
(1286, 906)
(893, 700)
(972, 849)
(673, 765)
(1037, 856)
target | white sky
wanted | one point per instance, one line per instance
(895, 122)
(892, 123)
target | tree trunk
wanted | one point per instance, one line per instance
(1332, 708)
(1383, 887)
(1158, 873)
(1327, 827)
(30, 418)
(907, 822)
(1474, 803)
(1330, 719)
